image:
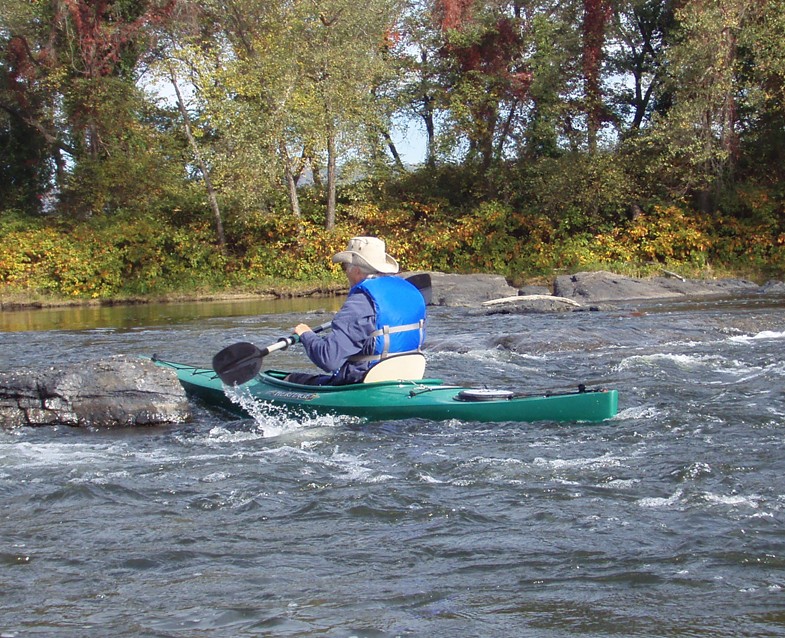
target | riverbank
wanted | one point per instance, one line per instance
(287, 290)
(470, 290)
(153, 258)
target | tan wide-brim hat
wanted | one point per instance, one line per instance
(369, 252)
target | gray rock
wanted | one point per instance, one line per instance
(468, 290)
(114, 392)
(773, 287)
(591, 291)
(531, 304)
(534, 290)
(593, 287)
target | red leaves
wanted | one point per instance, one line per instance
(101, 34)
(496, 52)
(454, 13)
(20, 63)
(596, 14)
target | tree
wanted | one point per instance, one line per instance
(547, 123)
(596, 14)
(487, 77)
(203, 167)
(762, 112)
(699, 135)
(24, 159)
(69, 75)
(28, 104)
(420, 92)
(345, 61)
(638, 41)
(288, 84)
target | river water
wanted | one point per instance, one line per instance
(668, 520)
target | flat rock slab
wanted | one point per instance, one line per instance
(580, 291)
(773, 287)
(523, 304)
(468, 290)
(108, 393)
(593, 287)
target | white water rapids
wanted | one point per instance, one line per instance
(667, 521)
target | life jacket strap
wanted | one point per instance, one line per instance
(385, 332)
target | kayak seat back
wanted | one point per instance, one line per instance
(402, 367)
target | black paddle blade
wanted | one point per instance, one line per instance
(238, 363)
(422, 281)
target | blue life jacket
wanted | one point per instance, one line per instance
(400, 317)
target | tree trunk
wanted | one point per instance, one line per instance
(393, 149)
(330, 218)
(219, 227)
(427, 116)
(291, 182)
(430, 130)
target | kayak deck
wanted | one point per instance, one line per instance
(391, 400)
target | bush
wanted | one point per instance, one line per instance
(125, 254)
(106, 257)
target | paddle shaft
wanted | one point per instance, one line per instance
(241, 362)
(284, 342)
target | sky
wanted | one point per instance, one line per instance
(410, 142)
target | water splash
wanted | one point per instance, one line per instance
(661, 359)
(766, 334)
(273, 420)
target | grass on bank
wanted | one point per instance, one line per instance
(125, 258)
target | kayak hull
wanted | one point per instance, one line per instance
(393, 400)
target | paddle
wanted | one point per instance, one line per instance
(242, 361)
(422, 281)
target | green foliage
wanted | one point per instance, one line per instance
(550, 65)
(104, 258)
(144, 170)
(24, 173)
(576, 191)
(44, 260)
(449, 184)
(127, 255)
(664, 235)
(283, 247)
(487, 239)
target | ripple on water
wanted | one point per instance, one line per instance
(665, 521)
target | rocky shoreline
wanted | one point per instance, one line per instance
(128, 392)
(583, 291)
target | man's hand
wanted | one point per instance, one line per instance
(300, 328)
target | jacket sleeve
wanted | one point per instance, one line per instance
(351, 328)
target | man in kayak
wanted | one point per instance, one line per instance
(381, 316)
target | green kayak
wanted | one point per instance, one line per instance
(392, 400)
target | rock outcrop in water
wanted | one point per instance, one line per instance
(594, 287)
(467, 290)
(108, 393)
(581, 291)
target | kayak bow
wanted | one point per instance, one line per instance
(393, 400)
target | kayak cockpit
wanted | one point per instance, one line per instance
(277, 378)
